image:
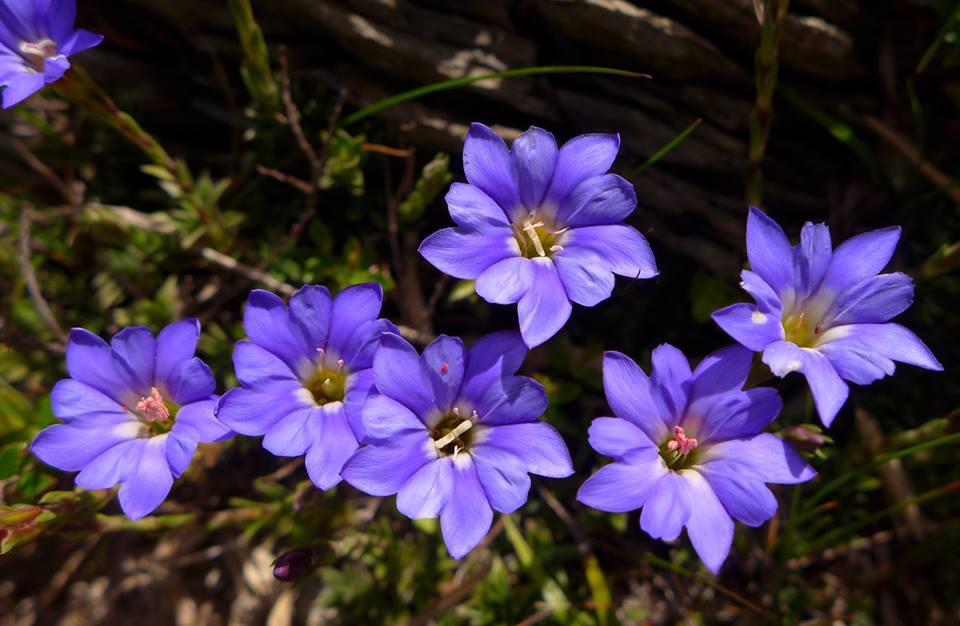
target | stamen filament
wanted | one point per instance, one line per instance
(531, 229)
(461, 428)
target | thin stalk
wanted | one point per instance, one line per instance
(771, 19)
(667, 148)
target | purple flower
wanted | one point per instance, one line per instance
(36, 37)
(688, 448)
(540, 227)
(305, 373)
(133, 412)
(454, 434)
(824, 312)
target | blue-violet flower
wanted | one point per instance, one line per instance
(688, 448)
(540, 226)
(133, 412)
(305, 373)
(36, 37)
(454, 434)
(824, 312)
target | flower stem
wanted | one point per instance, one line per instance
(772, 17)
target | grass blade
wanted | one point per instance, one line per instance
(455, 83)
(667, 148)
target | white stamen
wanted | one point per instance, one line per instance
(461, 428)
(531, 229)
(556, 248)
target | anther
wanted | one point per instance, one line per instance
(451, 436)
(556, 248)
(682, 444)
(322, 352)
(152, 407)
(444, 368)
(531, 229)
(340, 363)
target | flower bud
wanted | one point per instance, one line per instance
(291, 566)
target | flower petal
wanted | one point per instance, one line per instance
(489, 165)
(352, 308)
(743, 496)
(254, 411)
(766, 457)
(147, 486)
(535, 157)
(719, 372)
(506, 281)
(828, 389)
(114, 465)
(427, 491)
(544, 309)
(874, 300)
(738, 414)
(197, 421)
(623, 249)
(332, 446)
(620, 487)
(21, 87)
(709, 526)
(512, 400)
(768, 302)
(581, 158)
(812, 257)
(467, 515)
(629, 394)
(473, 210)
(385, 419)
(503, 477)
(70, 449)
(381, 470)
(179, 451)
(79, 41)
(861, 257)
(73, 401)
(585, 277)
(466, 255)
(443, 363)
(769, 251)
(616, 437)
(192, 381)
(749, 326)
(670, 381)
(363, 344)
(359, 389)
(862, 353)
(90, 360)
(269, 325)
(606, 199)
(492, 358)
(176, 343)
(311, 308)
(255, 365)
(667, 508)
(537, 444)
(291, 435)
(397, 374)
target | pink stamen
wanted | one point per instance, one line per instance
(681, 443)
(444, 368)
(152, 407)
(340, 363)
(322, 353)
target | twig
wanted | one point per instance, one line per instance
(70, 193)
(30, 276)
(66, 571)
(898, 141)
(293, 119)
(254, 274)
(403, 153)
(730, 593)
(297, 183)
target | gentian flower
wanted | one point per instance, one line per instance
(36, 37)
(688, 448)
(133, 412)
(540, 227)
(454, 434)
(305, 373)
(824, 312)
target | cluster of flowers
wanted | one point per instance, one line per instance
(455, 432)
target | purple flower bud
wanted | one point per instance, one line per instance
(291, 566)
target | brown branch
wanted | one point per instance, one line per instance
(30, 276)
(72, 193)
(297, 183)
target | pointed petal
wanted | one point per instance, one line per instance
(79, 41)
(147, 486)
(862, 353)
(466, 255)
(581, 158)
(473, 210)
(738, 414)
(352, 308)
(397, 373)
(489, 165)
(606, 199)
(467, 515)
(257, 366)
(492, 358)
(385, 419)
(719, 372)
(766, 457)
(70, 449)
(621, 487)
(584, 275)
(332, 446)
(196, 421)
(623, 249)
(749, 326)
(269, 325)
(630, 395)
(311, 308)
(192, 381)
(537, 444)
(74, 401)
(254, 411)
(136, 348)
(427, 491)
(812, 257)
(769, 251)
(861, 257)
(20, 88)
(112, 466)
(616, 437)
(506, 281)
(443, 364)
(512, 400)
(828, 389)
(709, 526)
(176, 343)
(667, 508)
(670, 381)
(503, 477)
(746, 498)
(874, 300)
(291, 435)
(382, 470)
(544, 309)
(535, 155)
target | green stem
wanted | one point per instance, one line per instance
(376, 107)
(761, 119)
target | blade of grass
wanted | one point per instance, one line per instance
(455, 83)
(665, 564)
(938, 41)
(667, 148)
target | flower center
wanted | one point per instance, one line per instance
(37, 53)
(676, 452)
(328, 384)
(802, 329)
(538, 235)
(453, 434)
(156, 412)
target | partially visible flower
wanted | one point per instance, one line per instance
(305, 373)
(454, 434)
(36, 37)
(540, 227)
(133, 412)
(689, 448)
(292, 566)
(824, 312)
